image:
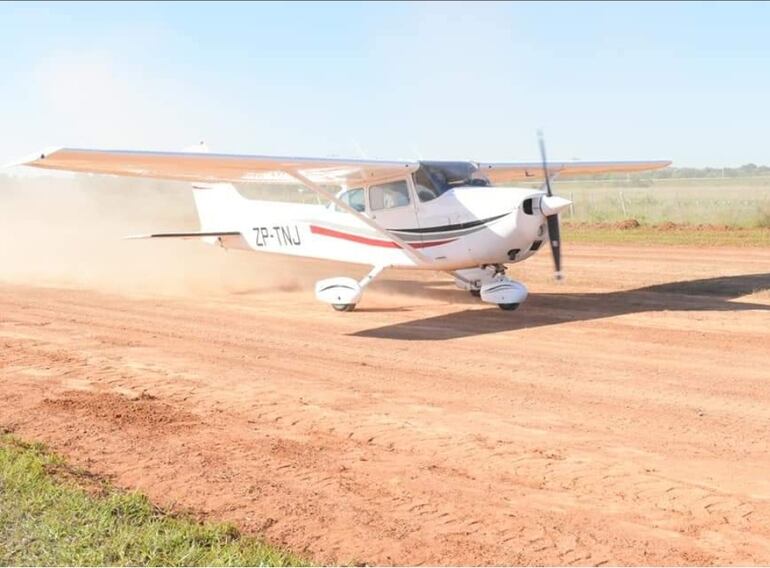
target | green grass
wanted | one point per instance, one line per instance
(683, 235)
(737, 202)
(53, 514)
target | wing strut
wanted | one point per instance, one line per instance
(413, 253)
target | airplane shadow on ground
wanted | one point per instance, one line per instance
(710, 294)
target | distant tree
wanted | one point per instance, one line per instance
(746, 170)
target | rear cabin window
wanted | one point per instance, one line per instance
(388, 195)
(354, 198)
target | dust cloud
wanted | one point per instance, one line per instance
(68, 230)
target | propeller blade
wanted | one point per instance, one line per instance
(554, 237)
(552, 204)
(545, 166)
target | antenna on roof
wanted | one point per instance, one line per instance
(199, 148)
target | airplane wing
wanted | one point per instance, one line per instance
(510, 171)
(202, 167)
(313, 173)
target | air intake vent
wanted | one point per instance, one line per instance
(527, 206)
(535, 245)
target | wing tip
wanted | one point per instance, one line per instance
(33, 160)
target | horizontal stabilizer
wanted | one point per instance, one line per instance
(192, 235)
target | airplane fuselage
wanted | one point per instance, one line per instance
(464, 227)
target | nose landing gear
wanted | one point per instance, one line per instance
(492, 285)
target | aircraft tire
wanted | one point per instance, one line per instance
(344, 307)
(475, 293)
(508, 307)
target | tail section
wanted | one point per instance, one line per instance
(220, 206)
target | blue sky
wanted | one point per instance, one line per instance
(688, 82)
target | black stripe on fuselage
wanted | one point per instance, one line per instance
(447, 228)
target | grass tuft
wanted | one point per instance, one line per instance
(52, 514)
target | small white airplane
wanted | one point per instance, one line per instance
(445, 216)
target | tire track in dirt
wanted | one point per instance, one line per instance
(597, 425)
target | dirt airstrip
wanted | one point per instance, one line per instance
(621, 417)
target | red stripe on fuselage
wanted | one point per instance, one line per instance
(369, 241)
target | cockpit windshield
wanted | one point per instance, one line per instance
(432, 179)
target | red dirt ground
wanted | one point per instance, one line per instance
(621, 418)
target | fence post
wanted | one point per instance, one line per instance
(623, 205)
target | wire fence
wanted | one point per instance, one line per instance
(689, 200)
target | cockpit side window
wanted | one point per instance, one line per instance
(388, 195)
(354, 198)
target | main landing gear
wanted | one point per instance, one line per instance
(344, 293)
(488, 283)
(492, 285)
